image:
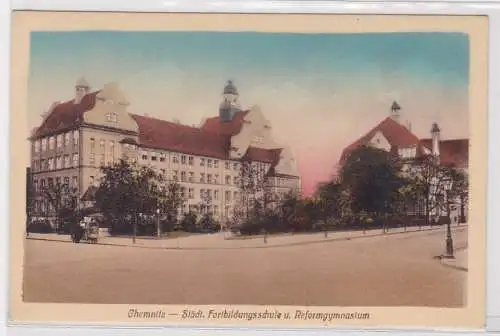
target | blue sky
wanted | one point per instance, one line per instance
(338, 85)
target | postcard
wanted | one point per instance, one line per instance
(262, 170)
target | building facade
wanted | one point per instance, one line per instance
(95, 129)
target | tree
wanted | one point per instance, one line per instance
(372, 178)
(62, 199)
(434, 184)
(251, 184)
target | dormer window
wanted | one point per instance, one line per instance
(112, 117)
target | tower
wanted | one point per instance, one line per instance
(81, 89)
(435, 133)
(395, 111)
(229, 104)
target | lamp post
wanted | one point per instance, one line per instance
(449, 239)
(158, 231)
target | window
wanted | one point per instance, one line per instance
(202, 162)
(235, 166)
(52, 141)
(227, 165)
(44, 144)
(209, 194)
(112, 117)
(191, 160)
(154, 157)
(227, 179)
(235, 195)
(102, 160)
(226, 211)
(67, 139)
(235, 180)
(112, 151)
(35, 185)
(76, 136)
(42, 183)
(183, 192)
(144, 155)
(92, 159)
(176, 175)
(216, 194)
(58, 180)
(202, 193)
(102, 145)
(175, 159)
(227, 196)
(37, 146)
(191, 193)
(216, 210)
(43, 164)
(74, 181)
(191, 177)
(75, 160)
(92, 145)
(50, 182)
(66, 181)
(202, 177)
(58, 162)
(216, 163)
(183, 176)
(209, 163)
(162, 157)
(51, 163)
(216, 179)
(209, 178)
(183, 159)
(60, 140)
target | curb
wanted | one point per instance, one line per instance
(367, 235)
(446, 262)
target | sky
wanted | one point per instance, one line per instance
(320, 92)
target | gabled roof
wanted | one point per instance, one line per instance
(216, 125)
(161, 134)
(451, 152)
(66, 115)
(271, 156)
(396, 134)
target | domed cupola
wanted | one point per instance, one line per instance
(229, 105)
(230, 88)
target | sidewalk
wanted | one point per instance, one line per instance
(222, 241)
(460, 262)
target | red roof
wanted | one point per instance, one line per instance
(451, 152)
(396, 134)
(66, 115)
(233, 127)
(271, 156)
(213, 139)
(161, 134)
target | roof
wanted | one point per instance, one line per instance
(213, 139)
(162, 134)
(66, 115)
(451, 152)
(233, 127)
(271, 156)
(396, 134)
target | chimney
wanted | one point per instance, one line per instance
(395, 111)
(435, 133)
(408, 125)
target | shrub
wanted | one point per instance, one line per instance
(40, 226)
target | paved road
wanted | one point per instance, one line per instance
(388, 270)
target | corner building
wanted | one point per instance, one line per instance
(95, 128)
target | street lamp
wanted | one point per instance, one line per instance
(449, 239)
(158, 231)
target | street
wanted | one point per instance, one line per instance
(385, 270)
